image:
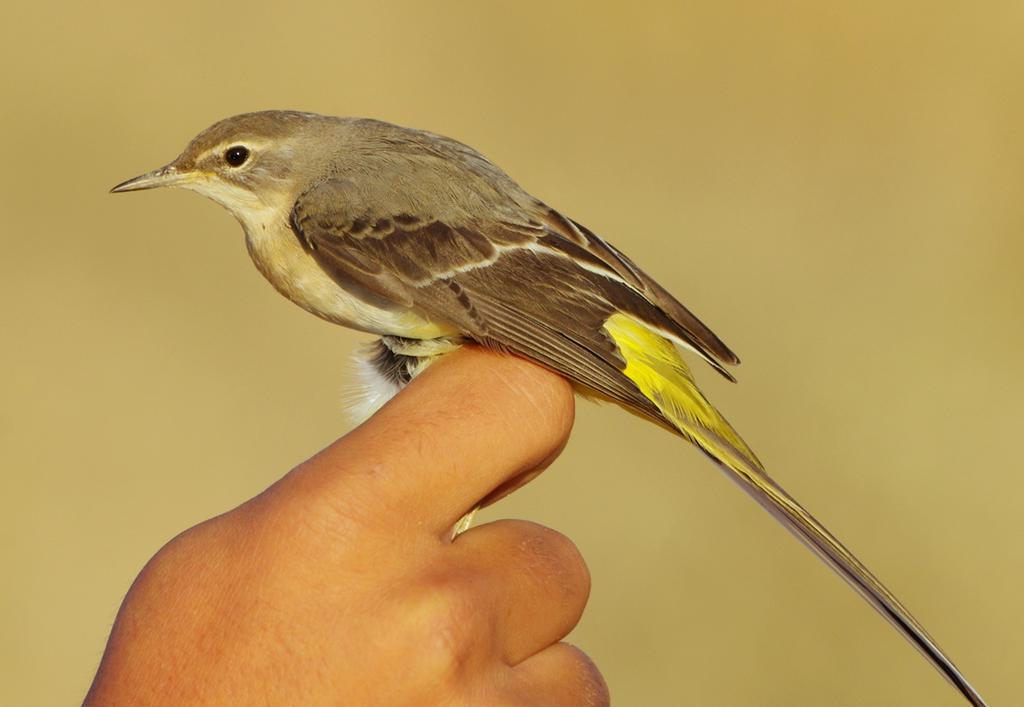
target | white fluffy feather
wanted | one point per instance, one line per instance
(369, 391)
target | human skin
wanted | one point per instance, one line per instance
(341, 585)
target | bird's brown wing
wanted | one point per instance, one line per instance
(510, 283)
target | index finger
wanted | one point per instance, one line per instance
(471, 422)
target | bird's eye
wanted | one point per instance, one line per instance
(236, 155)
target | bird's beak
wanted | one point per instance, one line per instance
(167, 176)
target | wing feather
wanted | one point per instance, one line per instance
(544, 266)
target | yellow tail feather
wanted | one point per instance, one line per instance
(659, 372)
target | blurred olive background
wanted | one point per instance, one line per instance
(835, 187)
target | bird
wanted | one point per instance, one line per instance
(422, 241)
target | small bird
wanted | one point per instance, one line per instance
(421, 240)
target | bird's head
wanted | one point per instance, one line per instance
(246, 163)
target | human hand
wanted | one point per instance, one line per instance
(340, 584)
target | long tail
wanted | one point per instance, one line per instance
(656, 368)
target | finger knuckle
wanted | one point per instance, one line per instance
(554, 559)
(446, 628)
(318, 518)
(552, 411)
(593, 688)
(194, 563)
